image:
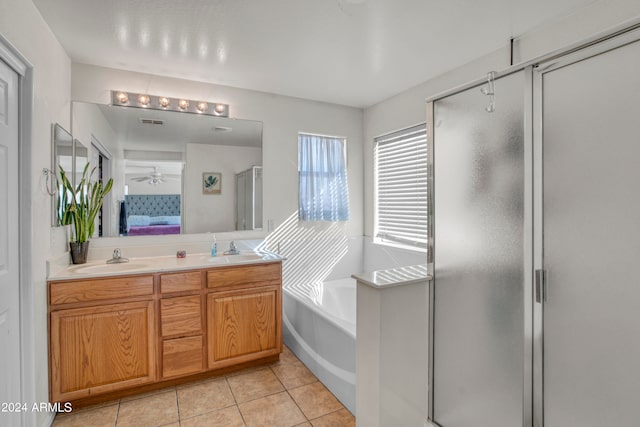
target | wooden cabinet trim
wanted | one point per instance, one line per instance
(100, 289)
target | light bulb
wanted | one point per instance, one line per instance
(122, 97)
(143, 100)
(164, 102)
(202, 107)
(183, 104)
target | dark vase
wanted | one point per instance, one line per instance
(79, 252)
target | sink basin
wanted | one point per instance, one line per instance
(243, 257)
(218, 260)
(110, 268)
(232, 259)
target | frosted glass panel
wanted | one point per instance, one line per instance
(249, 199)
(592, 241)
(241, 190)
(258, 198)
(478, 202)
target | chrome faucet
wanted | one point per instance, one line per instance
(233, 250)
(117, 257)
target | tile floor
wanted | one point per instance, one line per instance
(283, 394)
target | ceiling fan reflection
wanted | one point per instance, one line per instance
(154, 178)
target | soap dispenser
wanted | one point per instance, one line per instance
(214, 247)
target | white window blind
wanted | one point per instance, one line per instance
(401, 179)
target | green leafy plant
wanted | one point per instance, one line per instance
(82, 203)
(211, 181)
(62, 206)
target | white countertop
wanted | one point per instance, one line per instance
(392, 277)
(155, 264)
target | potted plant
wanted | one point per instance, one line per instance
(82, 206)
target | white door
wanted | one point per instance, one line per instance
(9, 248)
(591, 238)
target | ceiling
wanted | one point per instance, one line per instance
(172, 131)
(350, 52)
(144, 131)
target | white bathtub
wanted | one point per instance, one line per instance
(319, 326)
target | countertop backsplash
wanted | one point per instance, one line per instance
(146, 246)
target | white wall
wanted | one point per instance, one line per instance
(213, 212)
(23, 27)
(408, 108)
(283, 117)
(172, 185)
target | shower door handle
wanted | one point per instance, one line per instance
(541, 286)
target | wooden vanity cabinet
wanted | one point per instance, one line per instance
(99, 341)
(244, 314)
(128, 332)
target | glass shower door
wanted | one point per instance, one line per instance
(478, 330)
(589, 209)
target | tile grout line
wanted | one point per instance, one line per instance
(294, 388)
(329, 413)
(298, 406)
(177, 404)
(117, 414)
(233, 395)
(289, 394)
(209, 412)
(235, 401)
(303, 385)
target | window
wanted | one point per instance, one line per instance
(401, 180)
(322, 167)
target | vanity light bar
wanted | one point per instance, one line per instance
(182, 105)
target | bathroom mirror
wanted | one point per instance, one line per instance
(62, 156)
(173, 172)
(80, 159)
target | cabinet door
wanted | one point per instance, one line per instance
(101, 349)
(243, 325)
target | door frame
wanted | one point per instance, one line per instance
(589, 51)
(107, 208)
(10, 55)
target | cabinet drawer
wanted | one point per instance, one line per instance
(181, 316)
(100, 289)
(180, 282)
(232, 276)
(182, 356)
